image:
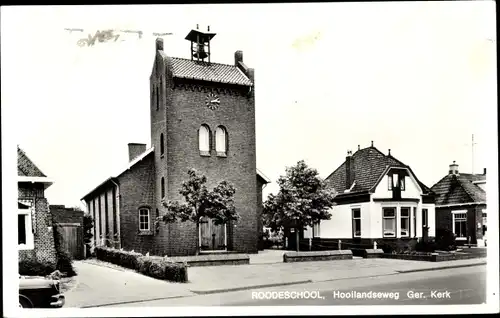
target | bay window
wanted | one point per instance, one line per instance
(389, 222)
(405, 222)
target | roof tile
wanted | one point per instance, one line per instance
(213, 72)
(26, 167)
(459, 189)
(369, 165)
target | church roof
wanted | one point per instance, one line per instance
(212, 72)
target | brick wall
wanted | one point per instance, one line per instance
(44, 249)
(137, 190)
(444, 219)
(62, 214)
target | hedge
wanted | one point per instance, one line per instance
(153, 266)
(34, 268)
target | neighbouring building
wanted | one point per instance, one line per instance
(202, 117)
(461, 205)
(70, 225)
(378, 198)
(34, 231)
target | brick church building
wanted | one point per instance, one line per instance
(202, 117)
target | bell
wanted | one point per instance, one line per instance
(200, 52)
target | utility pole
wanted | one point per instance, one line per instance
(473, 153)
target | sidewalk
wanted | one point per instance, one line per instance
(213, 279)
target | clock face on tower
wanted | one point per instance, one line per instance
(212, 101)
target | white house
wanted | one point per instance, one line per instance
(379, 198)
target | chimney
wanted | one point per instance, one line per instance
(372, 143)
(238, 57)
(484, 171)
(453, 168)
(348, 163)
(389, 152)
(159, 44)
(135, 150)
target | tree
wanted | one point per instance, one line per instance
(217, 204)
(302, 200)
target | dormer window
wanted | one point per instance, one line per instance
(394, 181)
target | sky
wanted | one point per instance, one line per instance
(418, 78)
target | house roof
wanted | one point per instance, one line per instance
(263, 176)
(26, 167)
(368, 167)
(204, 71)
(459, 189)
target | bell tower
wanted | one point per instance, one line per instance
(200, 44)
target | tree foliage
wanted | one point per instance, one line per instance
(303, 199)
(200, 202)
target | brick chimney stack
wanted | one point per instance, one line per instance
(135, 150)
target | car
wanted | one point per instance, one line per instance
(40, 292)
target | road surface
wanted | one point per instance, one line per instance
(466, 285)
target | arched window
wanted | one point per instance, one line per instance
(144, 219)
(221, 141)
(162, 147)
(162, 187)
(204, 140)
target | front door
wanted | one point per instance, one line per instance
(212, 237)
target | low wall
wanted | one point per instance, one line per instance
(434, 257)
(212, 259)
(316, 256)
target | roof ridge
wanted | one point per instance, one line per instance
(182, 58)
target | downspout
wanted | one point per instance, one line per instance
(118, 212)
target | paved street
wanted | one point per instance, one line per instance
(464, 285)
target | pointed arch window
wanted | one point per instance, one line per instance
(162, 145)
(221, 141)
(204, 140)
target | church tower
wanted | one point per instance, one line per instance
(203, 117)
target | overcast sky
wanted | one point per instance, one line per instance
(418, 78)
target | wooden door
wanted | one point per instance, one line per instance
(71, 239)
(212, 237)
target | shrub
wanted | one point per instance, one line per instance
(445, 240)
(153, 266)
(426, 246)
(119, 257)
(35, 268)
(161, 268)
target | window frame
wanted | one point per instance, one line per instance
(462, 220)
(28, 229)
(148, 222)
(389, 182)
(354, 219)
(316, 230)
(402, 183)
(204, 152)
(389, 217)
(407, 218)
(218, 151)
